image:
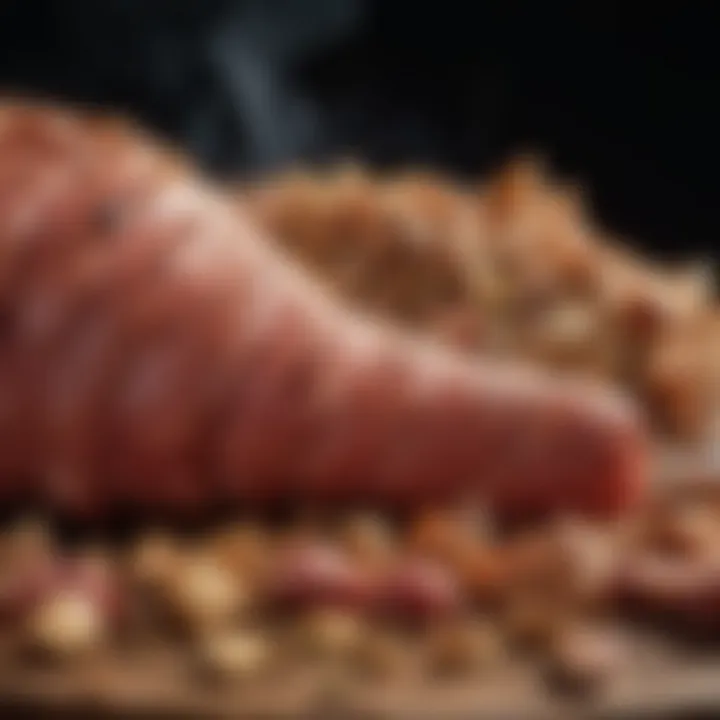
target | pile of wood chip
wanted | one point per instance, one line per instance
(514, 266)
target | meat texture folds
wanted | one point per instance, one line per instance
(158, 355)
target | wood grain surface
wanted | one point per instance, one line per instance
(659, 683)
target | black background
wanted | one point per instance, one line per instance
(620, 96)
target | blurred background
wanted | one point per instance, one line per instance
(619, 96)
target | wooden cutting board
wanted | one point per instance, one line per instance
(659, 683)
